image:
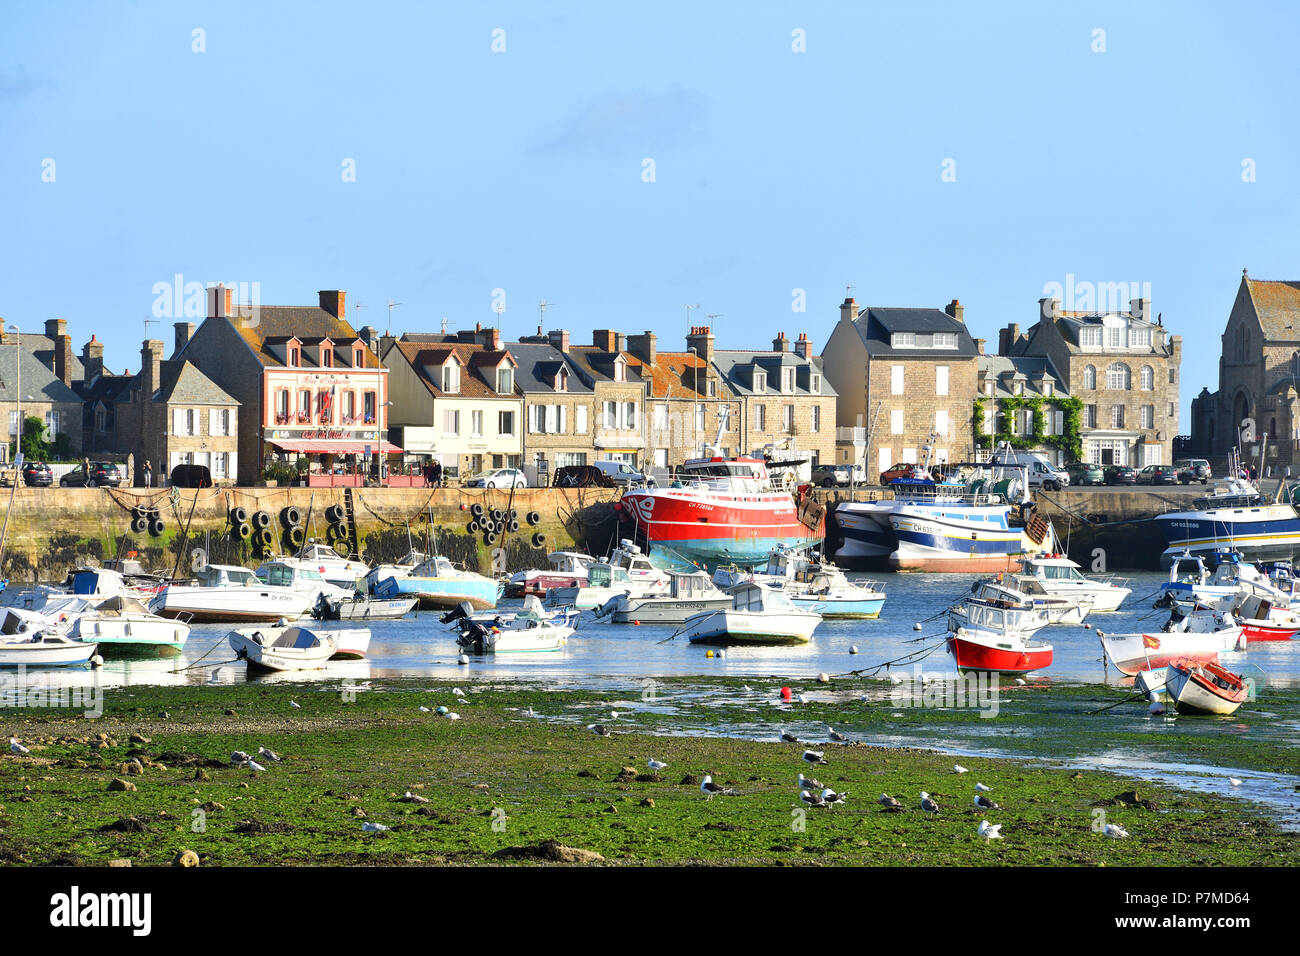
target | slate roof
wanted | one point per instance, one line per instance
(477, 364)
(42, 346)
(999, 367)
(597, 365)
(538, 364)
(276, 324)
(731, 363)
(181, 383)
(876, 326)
(38, 382)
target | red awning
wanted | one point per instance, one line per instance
(322, 447)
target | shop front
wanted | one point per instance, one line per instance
(333, 457)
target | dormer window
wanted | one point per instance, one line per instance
(326, 358)
(620, 370)
(787, 380)
(358, 357)
(451, 377)
(1090, 338)
(713, 388)
(1017, 388)
(562, 380)
(505, 380)
(816, 387)
(903, 340)
(760, 381)
(1048, 389)
(988, 387)
(295, 357)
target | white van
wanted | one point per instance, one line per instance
(1040, 472)
(623, 474)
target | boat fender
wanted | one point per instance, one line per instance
(156, 527)
(535, 519)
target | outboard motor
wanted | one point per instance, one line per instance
(461, 612)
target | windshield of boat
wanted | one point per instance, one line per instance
(747, 476)
(1059, 572)
(216, 577)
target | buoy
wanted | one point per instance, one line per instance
(785, 693)
(708, 653)
(822, 678)
(441, 710)
(637, 623)
(721, 654)
(97, 661)
(463, 659)
(853, 649)
(916, 626)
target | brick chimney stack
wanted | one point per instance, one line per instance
(643, 346)
(334, 301)
(956, 310)
(54, 328)
(559, 338)
(701, 339)
(63, 358)
(803, 346)
(1007, 338)
(151, 353)
(605, 339)
(218, 301)
(780, 343)
(184, 330)
(849, 310)
(92, 359)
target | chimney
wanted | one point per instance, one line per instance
(559, 338)
(979, 346)
(1049, 308)
(184, 330)
(54, 328)
(849, 310)
(643, 346)
(956, 310)
(1140, 308)
(92, 359)
(803, 347)
(63, 358)
(620, 342)
(1007, 338)
(218, 301)
(334, 301)
(605, 340)
(701, 339)
(370, 335)
(151, 353)
(492, 339)
(780, 343)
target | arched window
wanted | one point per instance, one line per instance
(1148, 378)
(1118, 377)
(1089, 377)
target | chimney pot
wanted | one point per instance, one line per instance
(956, 310)
(849, 310)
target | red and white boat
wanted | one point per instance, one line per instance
(1200, 637)
(1261, 620)
(1204, 688)
(1002, 652)
(723, 511)
(568, 569)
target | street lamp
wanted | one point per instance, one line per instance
(695, 398)
(18, 394)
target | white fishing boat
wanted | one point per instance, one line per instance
(303, 577)
(687, 594)
(30, 639)
(812, 584)
(123, 627)
(530, 631)
(339, 570)
(628, 571)
(1061, 577)
(1190, 582)
(568, 569)
(226, 593)
(758, 615)
(1204, 688)
(1199, 636)
(996, 604)
(282, 647)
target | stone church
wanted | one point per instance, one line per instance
(1259, 378)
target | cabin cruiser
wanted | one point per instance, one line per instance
(437, 583)
(758, 615)
(123, 627)
(380, 572)
(812, 584)
(997, 605)
(627, 570)
(303, 577)
(1190, 581)
(567, 569)
(338, 570)
(687, 594)
(1062, 577)
(223, 592)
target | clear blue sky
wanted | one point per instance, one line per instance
(523, 170)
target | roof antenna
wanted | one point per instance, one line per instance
(541, 313)
(444, 325)
(391, 306)
(499, 307)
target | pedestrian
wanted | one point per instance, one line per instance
(148, 474)
(437, 474)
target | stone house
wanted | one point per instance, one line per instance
(905, 379)
(1003, 378)
(43, 394)
(1124, 367)
(1259, 377)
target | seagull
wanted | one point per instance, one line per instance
(928, 805)
(711, 789)
(835, 735)
(958, 768)
(600, 730)
(803, 699)
(424, 710)
(269, 754)
(990, 831)
(1232, 780)
(613, 715)
(457, 692)
(452, 715)
(530, 712)
(295, 705)
(1021, 682)
(890, 803)
(748, 690)
(789, 738)
(656, 764)
(807, 783)
(239, 757)
(984, 803)
(373, 828)
(983, 787)
(830, 797)
(812, 799)
(16, 748)
(814, 756)
(254, 766)
(1115, 831)
(895, 679)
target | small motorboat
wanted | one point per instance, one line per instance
(997, 651)
(222, 592)
(282, 647)
(43, 649)
(996, 604)
(758, 615)
(350, 643)
(437, 583)
(1204, 688)
(824, 588)
(530, 631)
(332, 566)
(123, 627)
(687, 594)
(1261, 620)
(627, 570)
(1199, 636)
(358, 607)
(381, 572)
(568, 569)
(1062, 577)
(1191, 583)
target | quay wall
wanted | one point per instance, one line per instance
(52, 530)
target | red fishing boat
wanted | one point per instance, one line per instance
(723, 511)
(1204, 688)
(1002, 652)
(1261, 620)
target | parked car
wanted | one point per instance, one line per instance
(623, 474)
(1120, 475)
(902, 470)
(1086, 473)
(1193, 469)
(1040, 472)
(829, 476)
(1158, 475)
(38, 474)
(498, 478)
(191, 476)
(102, 474)
(581, 476)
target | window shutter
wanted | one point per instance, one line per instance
(178, 421)
(564, 418)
